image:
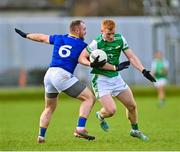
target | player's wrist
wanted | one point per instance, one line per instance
(115, 68)
(144, 71)
(27, 35)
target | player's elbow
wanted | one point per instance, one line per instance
(83, 60)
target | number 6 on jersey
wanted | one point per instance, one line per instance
(64, 51)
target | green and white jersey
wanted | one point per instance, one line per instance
(112, 49)
(159, 67)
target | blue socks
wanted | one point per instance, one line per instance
(42, 131)
(81, 123)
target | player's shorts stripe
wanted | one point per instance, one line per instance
(51, 95)
(94, 85)
(75, 89)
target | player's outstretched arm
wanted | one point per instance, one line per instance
(21, 33)
(34, 36)
(138, 65)
(148, 75)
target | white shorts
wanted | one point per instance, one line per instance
(160, 82)
(103, 85)
(57, 80)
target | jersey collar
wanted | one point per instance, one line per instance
(73, 35)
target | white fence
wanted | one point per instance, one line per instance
(141, 33)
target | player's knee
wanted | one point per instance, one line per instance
(91, 99)
(111, 111)
(50, 106)
(87, 96)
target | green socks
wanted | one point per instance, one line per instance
(134, 126)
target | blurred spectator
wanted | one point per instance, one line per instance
(159, 69)
(22, 78)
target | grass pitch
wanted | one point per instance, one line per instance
(19, 121)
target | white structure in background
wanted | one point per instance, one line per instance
(144, 35)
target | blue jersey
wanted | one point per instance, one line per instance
(66, 51)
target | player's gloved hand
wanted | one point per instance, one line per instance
(123, 65)
(148, 75)
(97, 64)
(24, 35)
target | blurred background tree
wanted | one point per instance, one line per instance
(96, 7)
(107, 8)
